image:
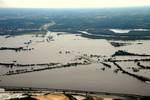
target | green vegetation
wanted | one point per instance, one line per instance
(125, 53)
(95, 21)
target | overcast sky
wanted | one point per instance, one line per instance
(72, 3)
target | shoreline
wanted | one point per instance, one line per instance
(14, 89)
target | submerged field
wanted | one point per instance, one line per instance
(62, 60)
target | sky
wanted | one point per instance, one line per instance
(72, 3)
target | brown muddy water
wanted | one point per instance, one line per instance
(63, 48)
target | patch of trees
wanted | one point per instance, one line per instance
(17, 49)
(125, 53)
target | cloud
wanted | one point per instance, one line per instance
(73, 3)
(2, 3)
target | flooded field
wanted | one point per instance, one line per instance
(68, 61)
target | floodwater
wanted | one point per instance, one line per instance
(127, 30)
(52, 49)
(120, 30)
